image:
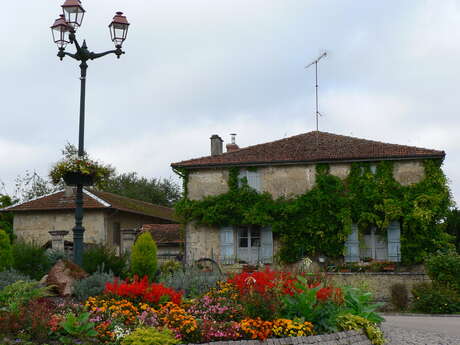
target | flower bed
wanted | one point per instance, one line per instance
(248, 306)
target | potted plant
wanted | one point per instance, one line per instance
(74, 169)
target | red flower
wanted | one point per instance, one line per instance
(142, 290)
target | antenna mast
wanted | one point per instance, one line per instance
(315, 62)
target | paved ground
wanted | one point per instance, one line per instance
(422, 330)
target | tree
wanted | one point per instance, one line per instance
(453, 226)
(156, 191)
(6, 255)
(6, 218)
(32, 185)
(144, 256)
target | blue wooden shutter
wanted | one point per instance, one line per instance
(394, 241)
(352, 245)
(253, 179)
(266, 245)
(227, 245)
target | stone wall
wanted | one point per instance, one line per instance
(379, 283)
(287, 181)
(34, 226)
(290, 180)
(342, 338)
(408, 172)
(207, 182)
(201, 242)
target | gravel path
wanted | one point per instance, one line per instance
(409, 336)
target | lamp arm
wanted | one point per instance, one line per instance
(118, 52)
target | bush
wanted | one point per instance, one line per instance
(6, 255)
(170, 266)
(435, 299)
(55, 255)
(444, 269)
(30, 259)
(16, 295)
(150, 336)
(144, 256)
(350, 322)
(399, 296)
(92, 286)
(104, 258)
(11, 276)
(191, 280)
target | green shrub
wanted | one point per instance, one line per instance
(350, 322)
(104, 258)
(444, 269)
(92, 286)
(304, 304)
(359, 302)
(150, 336)
(55, 255)
(144, 256)
(6, 255)
(11, 276)
(399, 296)
(191, 280)
(435, 299)
(170, 266)
(30, 259)
(14, 296)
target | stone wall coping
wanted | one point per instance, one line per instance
(58, 232)
(378, 273)
(420, 315)
(340, 338)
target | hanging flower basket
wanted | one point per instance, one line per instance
(79, 170)
(76, 178)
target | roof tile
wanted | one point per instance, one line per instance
(61, 201)
(312, 147)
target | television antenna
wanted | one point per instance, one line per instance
(315, 62)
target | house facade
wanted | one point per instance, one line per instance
(105, 215)
(286, 169)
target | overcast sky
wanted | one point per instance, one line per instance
(203, 67)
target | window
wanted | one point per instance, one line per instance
(252, 177)
(249, 238)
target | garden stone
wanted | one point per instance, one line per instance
(63, 275)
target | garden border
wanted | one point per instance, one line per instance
(340, 338)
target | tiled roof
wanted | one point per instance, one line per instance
(94, 200)
(164, 233)
(312, 147)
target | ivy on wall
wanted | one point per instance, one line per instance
(319, 221)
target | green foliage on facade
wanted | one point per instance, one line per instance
(144, 256)
(319, 221)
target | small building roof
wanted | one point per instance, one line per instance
(312, 147)
(93, 199)
(164, 234)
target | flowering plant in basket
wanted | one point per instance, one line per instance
(74, 169)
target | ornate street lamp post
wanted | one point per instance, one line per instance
(64, 29)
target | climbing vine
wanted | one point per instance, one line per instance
(319, 221)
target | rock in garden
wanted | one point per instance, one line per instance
(63, 275)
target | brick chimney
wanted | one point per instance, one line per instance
(232, 146)
(216, 145)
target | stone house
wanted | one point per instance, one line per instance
(168, 239)
(286, 168)
(105, 215)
